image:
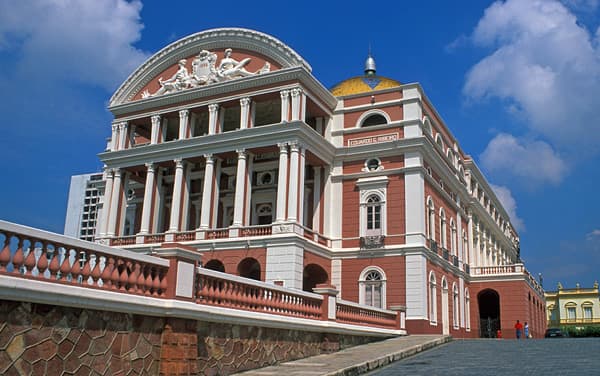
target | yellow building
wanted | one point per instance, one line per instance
(573, 309)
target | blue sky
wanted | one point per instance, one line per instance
(516, 81)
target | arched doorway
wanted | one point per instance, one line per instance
(312, 276)
(489, 313)
(215, 265)
(249, 268)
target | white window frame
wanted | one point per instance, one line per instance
(431, 218)
(432, 294)
(467, 310)
(368, 187)
(455, 306)
(363, 283)
(369, 113)
(443, 229)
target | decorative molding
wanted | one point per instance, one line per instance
(210, 39)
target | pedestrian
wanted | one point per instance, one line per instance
(526, 330)
(518, 329)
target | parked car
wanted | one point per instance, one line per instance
(554, 332)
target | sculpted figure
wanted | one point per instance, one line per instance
(179, 81)
(203, 68)
(230, 68)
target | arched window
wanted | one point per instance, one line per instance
(432, 299)
(453, 247)
(215, 265)
(439, 141)
(427, 126)
(455, 308)
(467, 310)
(249, 268)
(465, 247)
(373, 215)
(588, 311)
(373, 117)
(430, 219)
(372, 290)
(443, 230)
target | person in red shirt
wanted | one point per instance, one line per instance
(519, 329)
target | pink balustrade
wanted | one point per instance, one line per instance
(218, 234)
(256, 231)
(220, 289)
(124, 240)
(154, 238)
(185, 236)
(352, 313)
(41, 255)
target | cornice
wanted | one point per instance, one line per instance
(210, 39)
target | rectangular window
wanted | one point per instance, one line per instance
(571, 314)
(587, 313)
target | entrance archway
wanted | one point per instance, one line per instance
(312, 276)
(489, 313)
(249, 268)
(215, 265)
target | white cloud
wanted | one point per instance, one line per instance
(77, 41)
(510, 205)
(546, 66)
(535, 162)
(594, 234)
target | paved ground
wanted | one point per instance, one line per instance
(557, 356)
(355, 360)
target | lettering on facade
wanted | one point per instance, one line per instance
(388, 137)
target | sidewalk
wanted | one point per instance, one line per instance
(355, 360)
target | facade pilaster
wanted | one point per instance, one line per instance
(147, 208)
(177, 193)
(240, 189)
(296, 94)
(293, 180)
(245, 113)
(114, 203)
(207, 192)
(213, 118)
(122, 135)
(301, 174)
(285, 97)
(114, 139)
(155, 132)
(414, 188)
(316, 221)
(282, 183)
(184, 124)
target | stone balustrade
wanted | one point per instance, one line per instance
(352, 313)
(42, 255)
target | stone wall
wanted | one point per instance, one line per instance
(37, 339)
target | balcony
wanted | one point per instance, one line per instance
(484, 272)
(372, 242)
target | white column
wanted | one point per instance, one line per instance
(296, 99)
(185, 200)
(184, 124)
(107, 199)
(240, 189)
(244, 112)
(285, 95)
(114, 138)
(282, 182)
(301, 186)
(114, 203)
(148, 195)
(247, 202)
(213, 116)
(122, 135)
(155, 129)
(317, 199)
(217, 193)
(293, 187)
(177, 191)
(207, 192)
(158, 205)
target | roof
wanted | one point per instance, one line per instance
(363, 84)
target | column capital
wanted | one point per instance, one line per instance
(245, 102)
(150, 166)
(296, 92)
(122, 125)
(117, 171)
(115, 126)
(178, 162)
(209, 158)
(155, 119)
(213, 107)
(283, 147)
(295, 146)
(242, 153)
(284, 94)
(184, 113)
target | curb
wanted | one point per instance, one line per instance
(382, 361)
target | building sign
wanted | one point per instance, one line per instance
(388, 137)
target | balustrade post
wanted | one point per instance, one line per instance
(328, 305)
(400, 316)
(181, 276)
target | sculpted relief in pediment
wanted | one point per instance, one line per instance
(205, 71)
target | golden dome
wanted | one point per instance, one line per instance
(363, 84)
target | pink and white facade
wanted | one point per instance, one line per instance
(226, 143)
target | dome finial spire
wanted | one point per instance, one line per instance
(370, 64)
